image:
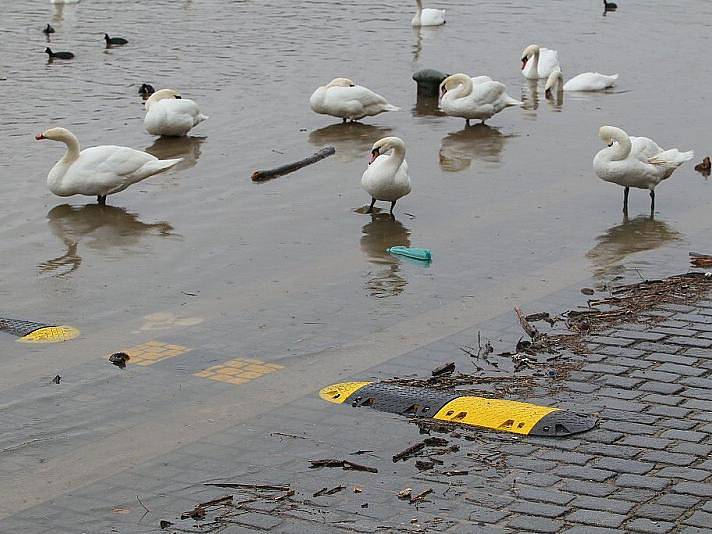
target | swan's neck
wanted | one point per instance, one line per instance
(535, 63)
(463, 88)
(621, 149)
(395, 160)
(72, 152)
(418, 11)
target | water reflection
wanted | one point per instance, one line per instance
(185, 147)
(481, 142)
(427, 106)
(352, 140)
(530, 95)
(555, 99)
(384, 280)
(639, 234)
(103, 228)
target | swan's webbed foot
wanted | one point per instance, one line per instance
(625, 199)
(652, 202)
(370, 208)
(101, 200)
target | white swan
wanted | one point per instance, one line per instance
(341, 98)
(169, 114)
(473, 98)
(635, 162)
(386, 177)
(100, 170)
(428, 16)
(586, 81)
(537, 63)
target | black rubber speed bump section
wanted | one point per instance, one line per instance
(497, 414)
(403, 400)
(32, 332)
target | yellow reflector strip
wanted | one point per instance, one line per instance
(50, 334)
(338, 393)
(504, 415)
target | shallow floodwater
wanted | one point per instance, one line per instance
(292, 265)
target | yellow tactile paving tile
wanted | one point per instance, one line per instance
(153, 352)
(238, 371)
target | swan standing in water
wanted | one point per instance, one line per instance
(428, 16)
(586, 81)
(169, 114)
(635, 162)
(538, 63)
(98, 171)
(474, 98)
(341, 98)
(386, 177)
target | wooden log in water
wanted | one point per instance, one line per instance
(261, 176)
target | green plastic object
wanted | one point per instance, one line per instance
(422, 254)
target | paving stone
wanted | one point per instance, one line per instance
(687, 447)
(588, 488)
(678, 424)
(653, 375)
(686, 473)
(672, 323)
(625, 352)
(648, 526)
(624, 466)
(700, 519)
(661, 387)
(637, 495)
(537, 508)
(674, 331)
(691, 341)
(621, 381)
(694, 488)
(543, 480)
(677, 500)
(531, 493)
(638, 481)
(526, 523)
(697, 393)
(645, 442)
(686, 435)
(656, 398)
(486, 515)
(658, 347)
(680, 308)
(606, 340)
(692, 317)
(518, 449)
(668, 411)
(604, 449)
(597, 518)
(605, 368)
(665, 457)
(629, 362)
(584, 473)
(619, 404)
(685, 370)
(591, 530)
(658, 512)
(642, 336)
(602, 504)
(568, 457)
(696, 404)
(581, 387)
(619, 393)
(530, 464)
(631, 428)
(603, 436)
(694, 530)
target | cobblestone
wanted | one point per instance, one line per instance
(648, 526)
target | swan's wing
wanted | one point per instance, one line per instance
(488, 92)
(644, 149)
(481, 79)
(548, 61)
(358, 93)
(182, 106)
(590, 81)
(108, 167)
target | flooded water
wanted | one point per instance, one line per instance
(292, 264)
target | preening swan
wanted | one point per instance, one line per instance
(537, 63)
(635, 162)
(428, 16)
(341, 98)
(473, 98)
(386, 177)
(169, 114)
(98, 171)
(586, 81)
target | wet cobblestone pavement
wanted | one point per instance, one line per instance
(645, 468)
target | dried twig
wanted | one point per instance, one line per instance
(261, 176)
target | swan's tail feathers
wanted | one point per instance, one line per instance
(614, 77)
(672, 158)
(390, 107)
(509, 101)
(200, 118)
(159, 165)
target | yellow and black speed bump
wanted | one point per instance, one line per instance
(32, 332)
(496, 414)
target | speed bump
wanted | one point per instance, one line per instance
(496, 414)
(32, 332)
